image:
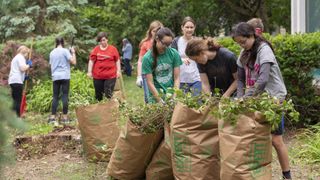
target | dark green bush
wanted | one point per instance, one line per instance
(297, 56)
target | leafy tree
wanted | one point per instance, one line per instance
(23, 18)
(271, 12)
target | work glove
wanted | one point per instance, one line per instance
(139, 81)
(26, 77)
(72, 50)
(29, 62)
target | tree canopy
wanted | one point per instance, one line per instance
(21, 19)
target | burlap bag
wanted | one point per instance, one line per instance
(160, 168)
(133, 153)
(195, 144)
(245, 148)
(118, 95)
(99, 130)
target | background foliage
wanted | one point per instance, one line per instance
(46, 19)
(81, 93)
(8, 121)
(121, 18)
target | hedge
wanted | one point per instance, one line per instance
(297, 56)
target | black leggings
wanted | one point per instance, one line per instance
(104, 86)
(62, 85)
(16, 91)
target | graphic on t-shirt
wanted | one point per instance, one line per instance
(252, 75)
(163, 73)
(102, 57)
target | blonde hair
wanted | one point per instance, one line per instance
(153, 25)
(196, 45)
(24, 50)
(256, 23)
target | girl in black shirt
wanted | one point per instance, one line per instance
(217, 65)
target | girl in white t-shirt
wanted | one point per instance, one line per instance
(189, 73)
(19, 66)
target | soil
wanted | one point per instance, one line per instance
(58, 155)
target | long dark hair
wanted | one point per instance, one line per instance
(244, 29)
(161, 33)
(59, 41)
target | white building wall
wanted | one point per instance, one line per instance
(298, 16)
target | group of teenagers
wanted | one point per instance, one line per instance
(193, 64)
(200, 65)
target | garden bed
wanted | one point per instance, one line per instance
(64, 139)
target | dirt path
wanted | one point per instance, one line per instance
(69, 164)
(56, 166)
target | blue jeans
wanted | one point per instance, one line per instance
(145, 88)
(127, 66)
(64, 86)
(195, 88)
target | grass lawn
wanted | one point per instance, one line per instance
(134, 94)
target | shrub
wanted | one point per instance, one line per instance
(8, 121)
(39, 99)
(297, 56)
(309, 151)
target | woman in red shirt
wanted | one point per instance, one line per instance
(104, 67)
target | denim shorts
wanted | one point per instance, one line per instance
(195, 88)
(280, 129)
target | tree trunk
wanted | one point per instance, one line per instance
(40, 25)
(262, 13)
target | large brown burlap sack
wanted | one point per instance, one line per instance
(245, 148)
(133, 152)
(118, 95)
(99, 129)
(195, 144)
(160, 167)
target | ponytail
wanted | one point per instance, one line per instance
(212, 44)
(59, 41)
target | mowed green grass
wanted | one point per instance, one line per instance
(134, 94)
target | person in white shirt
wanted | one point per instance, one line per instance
(189, 73)
(19, 65)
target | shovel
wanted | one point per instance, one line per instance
(23, 105)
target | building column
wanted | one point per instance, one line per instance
(298, 16)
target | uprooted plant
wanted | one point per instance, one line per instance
(148, 118)
(194, 101)
(270, 107)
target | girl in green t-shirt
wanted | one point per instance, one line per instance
(161, 65)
